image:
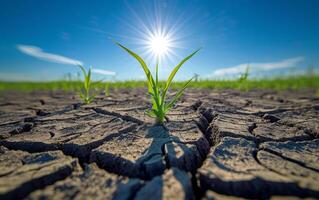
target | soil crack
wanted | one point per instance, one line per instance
(115, 114)
(289, 159)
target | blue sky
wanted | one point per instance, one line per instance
(42, 40)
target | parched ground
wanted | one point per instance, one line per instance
(216, 145)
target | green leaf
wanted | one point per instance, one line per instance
(81, 95)
(91, 98)
(156, 81)
(177, 96)
(88, 79)
(142, 63)
(158, 86)
(152, 86)
(151, 113)
(83, 70)
(173, 73)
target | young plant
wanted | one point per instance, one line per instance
(160, 106)
(244, 76)
(85, 93)
(242, 81)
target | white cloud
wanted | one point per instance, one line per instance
(257, 67)
(40, 54)
(103, 72)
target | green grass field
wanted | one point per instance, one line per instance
(297, 82)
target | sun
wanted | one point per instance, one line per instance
(157, 38)
(159, 45)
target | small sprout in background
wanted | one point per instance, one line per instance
(85, 92)
(243, 79)
(158, 94)
(196, 77)
(244, 76)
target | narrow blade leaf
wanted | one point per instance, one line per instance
(177, 96)
(173, 73)
(156, 81)
(83, 70)
(143, 64)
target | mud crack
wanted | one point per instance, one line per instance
(115, 114)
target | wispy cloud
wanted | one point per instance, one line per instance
(40, 54)
(258, 67)
(103, 72)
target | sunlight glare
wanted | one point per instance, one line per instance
(159, 45)
(157, 37)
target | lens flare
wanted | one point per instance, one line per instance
(157, 35)
(159, 45)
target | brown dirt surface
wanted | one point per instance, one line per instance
(227, 144)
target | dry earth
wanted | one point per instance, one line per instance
(215, 145)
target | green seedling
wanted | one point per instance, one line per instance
(85, 93)
(244, 76)
(160, 107)
(243, 79)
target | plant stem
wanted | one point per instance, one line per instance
(159, 120)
